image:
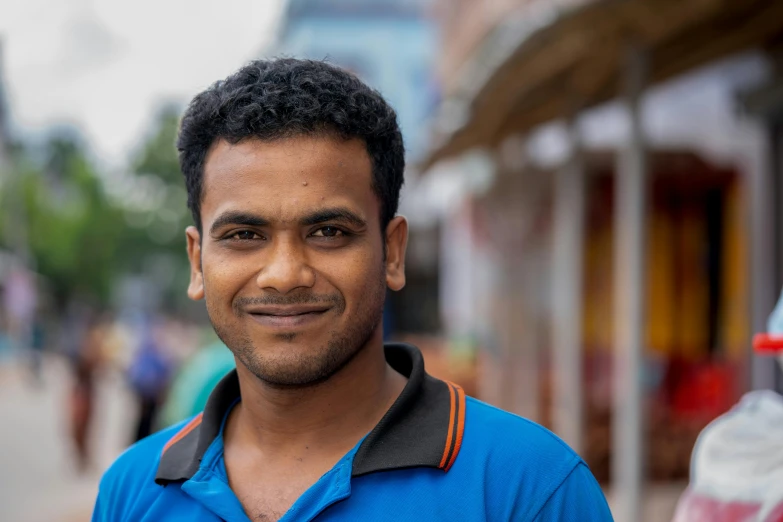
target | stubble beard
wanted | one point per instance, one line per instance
(311, 366)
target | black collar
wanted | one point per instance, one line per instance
(423, 428)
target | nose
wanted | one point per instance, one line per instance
(285, 268)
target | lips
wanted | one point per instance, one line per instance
(287, 316)
(286, 310)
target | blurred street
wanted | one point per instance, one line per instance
(593, 192)
(40, 481)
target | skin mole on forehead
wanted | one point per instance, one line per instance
(304, 183)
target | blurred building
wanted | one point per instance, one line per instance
(390, 45)
(612, 235)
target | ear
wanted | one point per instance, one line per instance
(396, 244)
(196, 286)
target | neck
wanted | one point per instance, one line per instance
(332, 415)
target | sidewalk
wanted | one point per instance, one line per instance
(43, 484)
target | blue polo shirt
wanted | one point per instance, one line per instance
(435, 455)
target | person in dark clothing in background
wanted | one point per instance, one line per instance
(86, 359)
(149, 375)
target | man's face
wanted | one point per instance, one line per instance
(291, 259)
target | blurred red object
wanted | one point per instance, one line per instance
(700, 391)
(694, 507)
(769, 344)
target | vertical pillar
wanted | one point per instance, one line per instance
(629, 316)
(569, 214)
(765, 244)
(527, 363)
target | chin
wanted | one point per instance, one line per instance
(298, 362)
(292, 370)
(293, 342)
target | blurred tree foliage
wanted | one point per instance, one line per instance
(88, 232)
(158, 154)
(70, 226)
(165, 255)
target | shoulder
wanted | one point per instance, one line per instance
(490, 429)
(520, 464)
(132, 475)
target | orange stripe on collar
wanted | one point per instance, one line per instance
(190, 426)
(460, 424)
(450, 432)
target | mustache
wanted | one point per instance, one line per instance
(288, 300)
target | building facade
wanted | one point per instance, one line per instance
(627, 211)
(389, 44)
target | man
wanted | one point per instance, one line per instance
(293, 170)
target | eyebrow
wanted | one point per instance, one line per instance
(237, 218)
(319, 216)
(331, 214)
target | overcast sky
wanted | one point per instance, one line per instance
(106, 65)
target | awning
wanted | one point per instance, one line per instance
(574, 62)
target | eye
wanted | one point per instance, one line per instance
(244, 235)
(328, 232)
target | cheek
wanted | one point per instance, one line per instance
(223, 278)
(356, 277)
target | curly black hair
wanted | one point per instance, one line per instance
(286, 97)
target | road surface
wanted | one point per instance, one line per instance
(39, 481)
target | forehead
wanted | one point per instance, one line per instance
(288, 177)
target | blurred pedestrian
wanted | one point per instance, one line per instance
(36, 350)
(5, 340)
(85, 360)
(149, 375)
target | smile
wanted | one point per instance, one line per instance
(287, 318)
